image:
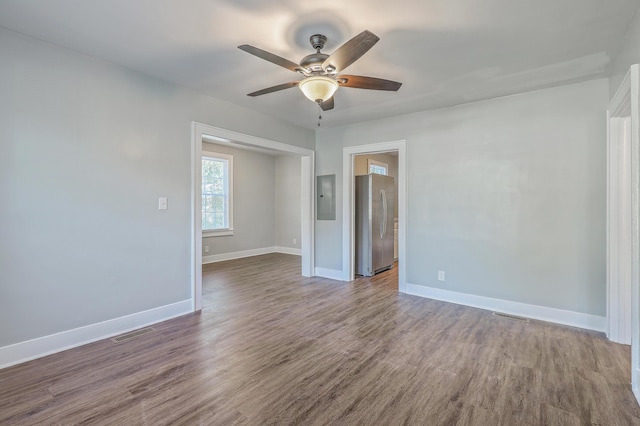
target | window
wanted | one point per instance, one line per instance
(377, 167)
(217, 194)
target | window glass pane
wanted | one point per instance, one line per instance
(218, 220)
(380, 170)
(207, 221)
(215, 193)
(218, 186)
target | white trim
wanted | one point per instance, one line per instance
(619, 241)
(333, 274)
(249, 253)
(217, 233)
(542, 313)
(289, 250)
(241, 140)
(635, 226)
(237, 255)
(348, 225)
(307, 213)
(196, 217)
(58, 342)
(611, 229)
(623, 179)
(623, 219)
(635, 379)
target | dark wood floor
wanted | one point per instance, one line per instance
(271, 347)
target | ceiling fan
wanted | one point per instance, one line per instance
(321, 71)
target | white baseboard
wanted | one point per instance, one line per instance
(47, 345)
(334, 274)
(543, 313)
(237, 255)
(289, 250)
(248, 253)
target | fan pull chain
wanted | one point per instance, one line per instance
(319, 114)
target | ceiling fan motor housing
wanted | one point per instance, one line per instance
(313, 62)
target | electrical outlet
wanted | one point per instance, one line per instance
(295, 241)
(440, 275)
(206, 249)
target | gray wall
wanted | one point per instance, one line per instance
(507, 196)
(253, 202)
(288, 182)
(629, 54)
(86, 149)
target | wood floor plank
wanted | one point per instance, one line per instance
(272, 347)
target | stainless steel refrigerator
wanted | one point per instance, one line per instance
(375, 197)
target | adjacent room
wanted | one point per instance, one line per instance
(245, 212)
(251, 204)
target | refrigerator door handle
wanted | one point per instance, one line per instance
(383, 225)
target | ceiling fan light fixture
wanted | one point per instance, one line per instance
(318, 88)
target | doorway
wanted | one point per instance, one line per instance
(239, 140)
(348, 220)
(623, 219)
(383, 253)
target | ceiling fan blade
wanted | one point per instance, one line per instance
(275, 59)
(360, 82)
(274, 88)
(327, 105)
(350, 52)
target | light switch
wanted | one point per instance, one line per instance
(162, 203)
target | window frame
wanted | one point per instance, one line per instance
(371, 162)
(220, 232)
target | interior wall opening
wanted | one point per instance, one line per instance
(259, 167)
(376, 157)
(376, 216)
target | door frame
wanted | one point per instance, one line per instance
(243, 141)
(348, 202)
(619, 221)
(623, 198)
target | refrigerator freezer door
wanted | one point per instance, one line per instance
(363, 231)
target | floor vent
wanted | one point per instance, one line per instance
(512, 317)
(131, 335)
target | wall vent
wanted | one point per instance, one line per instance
(509, 316)
(132, 334)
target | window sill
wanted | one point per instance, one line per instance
(217, 232)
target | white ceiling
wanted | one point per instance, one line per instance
(445, 52)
